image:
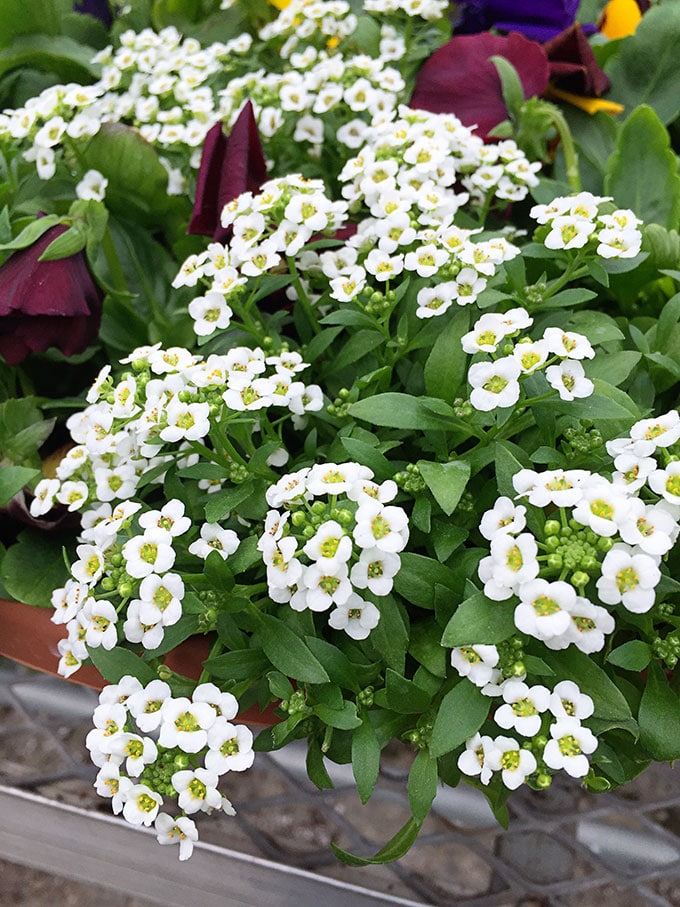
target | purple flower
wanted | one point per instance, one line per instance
(573, 66)
(99, 9)
(229, 166)
(47, 303)
(539, 21)
(459, 78)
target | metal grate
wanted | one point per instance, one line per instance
(564, 847)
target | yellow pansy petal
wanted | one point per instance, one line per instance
(590, 105)
(620, 18)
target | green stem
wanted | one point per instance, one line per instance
(303, 298)
(115, 268)
(568, 148)
(216, 649)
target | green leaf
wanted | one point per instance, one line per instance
(288, 652)
(446, 481)
(425, 646)
(243, 664)
(336, 664)
(22, 581)
(479, 621)
(185, 627)
(610, 703)
(507, 466)
(644, 71)
(56, 54)
(631, 656)
(658, 717)
(422, 784)
(68, 243)
(403, 411)
(115, 663)
(511, 85)
(365, 758)
(32, 233)
(316, 769)
(224, 501)
(461, 714)
(418, 576)
(279, 686)
(218, 571)
(390, 637)
(13, 479)
(644, 148)
(446, 365)
(345, 718)
(615, 367)
(395, 848)
(402, 695)
(358, 346)
(368, 455)
(138, 181)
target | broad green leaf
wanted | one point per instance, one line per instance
(22, 581)
(403, 411)
(446, 481)
(115, 663)
(390, 637)
(338, 666)
(288, 652)
(631, 656)
(461, 714)
(422, 784)
(368, 455)
(31, 233)
(395, 848)
(615, 367)
(57, 54)
(644, 148)
(644, 71)
(68, 243)
(13, 479)
(508, 465)
(243, 664)
(426, 648)
(479, 621)
(316, 769)
(446, 365)
(224, 501)
(658, 717)
(39, 17)
(185, 627)
(418, 576)
(345, 718)
(610, 703)
(402, 695)
(358, 346)
(365, 758)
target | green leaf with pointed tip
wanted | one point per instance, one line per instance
(288, 652)
(461, 714)
(115, 663)
(658, 717)
(395, 848)
(365, 758)
(446, 481)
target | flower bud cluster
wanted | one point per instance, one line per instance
(580, 222)
(532, 713)
(337, 534)
(496, 384)
(149, 746)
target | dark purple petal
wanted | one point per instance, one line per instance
(47, 303)
(539, 21)
(230, 165)
(100, 9)
(459, 78)
(573, 66)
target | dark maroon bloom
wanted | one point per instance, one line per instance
(99, 9)
(229, 166)
(573, 66)
(459, 78)
(47, 303)
(539, 20)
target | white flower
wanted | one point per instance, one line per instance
(486, 334)
(589, 625)
(570, 747)
(355, 616)
(319, 589)
(44, 496)
(558, 486)
(505, 517)
(666, 482)
(375, 570)
(329, 546)
(568, 344)
(225, 704)
(662, 431)
(568, 233)
(197, 790)
(433, 301)
(523, 707)
(473, 761)
(161, 598)
(141, 805)
(110, 783)
(170, 517)
(149, 632)
(99, 618)
(468, 286)
(181, 830)
(89, 567)
(494, 384)
(382, 527)
(185, 724)
(334, 478)
(215, 538)
(92, 186)
(138, 752)
(619, 243)
(230, 747)
(186, 421)
(567, 701)
(569, 380)
(603, 507)
(149, 553)
(210, 312)
(629, 577)
(512, 561)
(477, 663)
(650, 527)
(505, 755)
(544, 608)
(145, 705)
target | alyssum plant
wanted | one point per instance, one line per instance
(401, 488)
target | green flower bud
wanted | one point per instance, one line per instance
(108, 584)
(552, 543)
(580, 579)
(181, 760)
(298, 518)
(552, 527)
(319, 508)
(555, 561)
(125, 589)
(543, 781)
(605, 544)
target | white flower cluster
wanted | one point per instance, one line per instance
(496, 384)
(431, 10)
(155, 81)
(349, 93)
(577, 222)
(149, 745)
(276, 222)
(318, 553)
(524, 710)
(157, 410)
(307, 27)
(413, 162)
